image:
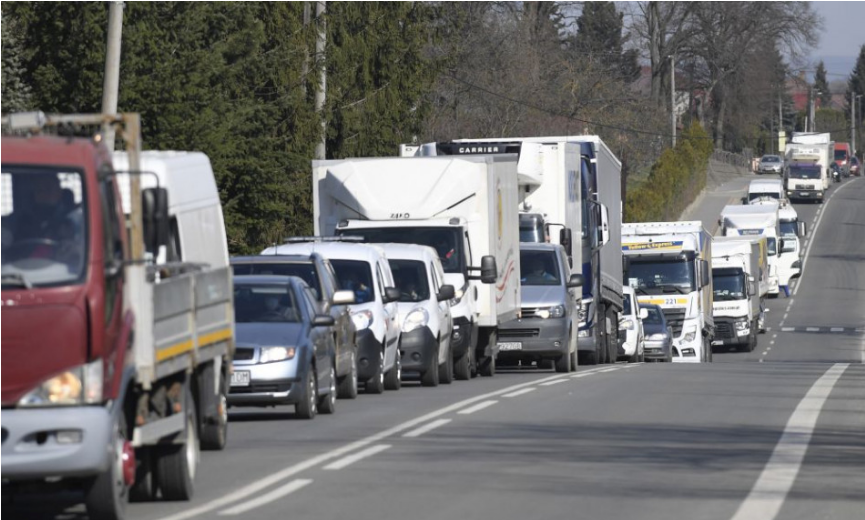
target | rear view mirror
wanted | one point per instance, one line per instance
(391, 294)
(446, 292)
(644, 313)
(343, 297)
(489, 270)
(323, 320)
(803, 229)
(576, 280)
(154, 216)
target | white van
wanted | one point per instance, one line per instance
(425, 314)
(363, 269)
(762, 190)
(197, 229)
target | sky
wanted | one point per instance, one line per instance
(842, 36)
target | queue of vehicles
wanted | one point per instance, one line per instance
(432, 266)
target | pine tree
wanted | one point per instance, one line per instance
(821, 85)
(16, 95)
(599, 31)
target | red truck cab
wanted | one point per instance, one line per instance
(842, 157)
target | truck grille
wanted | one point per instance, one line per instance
(261, 388)
(803, 187)
(724, 330)
(518, 333)
(675, 319)
(529, 312)
(244, 354)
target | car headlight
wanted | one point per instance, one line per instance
(556, 311)
(271, 354)
(361, 319)
(660, 336)
(690, 335)
(80, 385)
(585, 333)
(416, 319)
(458, 296)
(741, 325)
(626, 324)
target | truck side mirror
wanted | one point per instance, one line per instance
(705, 275)
(576, 280)
(565, 237)
(391, 294)
(752, 286)
(803, 229)
(446, 292)
(489, 270)
(154, 214)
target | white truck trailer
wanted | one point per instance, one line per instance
(465, 208)
(739, 286)
(670, 264)
(569, 186)
(756, 220)
(808, 149)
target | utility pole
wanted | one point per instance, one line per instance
(673, 96)
(111, 81)
(320, 41)
(852, 123)
(812, 111)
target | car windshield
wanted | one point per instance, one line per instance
(411, 279)
(655, 316)
(447, 241)
(44, 229)
(661, 275)
(355, 276)
(757, 195)
(531, 229)
(789, 228)
(303, 270)
(770, 159)
(266, 303)
(804, 172)
(539, 268)
(840, 155)
(728, 284)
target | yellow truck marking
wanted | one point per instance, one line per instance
(185, 346)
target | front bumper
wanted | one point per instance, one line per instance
(726, 333)
(269, 383)
(805, 194)
(31, 449)
(368, 349)
(535, 336)
(417, 348)
(654, 349)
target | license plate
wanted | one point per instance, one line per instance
(513, 345)
(804, 194)
(717, 342)
(240, 378)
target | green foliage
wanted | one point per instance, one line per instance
(834, 121)
(16, 95)
(599, 30)
(822, 85)
(674, 181)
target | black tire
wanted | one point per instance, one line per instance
(446, 371)
(327, 403)
(375, 385)
(487, 365)
(590, 358)
(176, 465)
(393, 379)
(144, 487)
(348, 384)
(462, 367)
(430, 377)
(473, 362)
(214, 430)
(563, 364)
(108, 494)
(307, 406)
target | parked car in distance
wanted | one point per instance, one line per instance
(319, 275)
(364, 270)
(658, 334)
(546, 330)
(854, 166)
(770, 164)
(425, 320)
(631, 335)
(285, 348)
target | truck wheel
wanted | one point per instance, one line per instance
(214, 430)
(563, 364)
(109, 493)
(446, 370)
(327, 403)
(393, 379)
(375, 385)
(430, 376)
(462, 367)
(176, 464)
(307, 405)
(487, 364)
(144, 487)
(348, 383)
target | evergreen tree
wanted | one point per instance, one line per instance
(856, 87)
(16, 93)
(821, 85)
(599, 31)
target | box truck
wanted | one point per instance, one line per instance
(756, 220)
(739, 286)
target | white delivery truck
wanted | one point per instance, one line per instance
(465, 208)
(804, 149)
(761, 190)
(793, 231)
(569, 186)
(756, 220)
(739, 286)
(670, 264)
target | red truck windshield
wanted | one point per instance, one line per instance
(44, 229)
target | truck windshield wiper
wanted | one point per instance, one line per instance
(674, 288)
(16, 279)
(640, 290)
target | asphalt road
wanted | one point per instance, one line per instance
(775, 433)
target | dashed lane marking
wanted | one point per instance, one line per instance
(354, 457)
(428, 427)
(825, 330)
(478, 407)
(551, 383)
(520, 392)
(277, 493)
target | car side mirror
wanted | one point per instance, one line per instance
(644, 313)
(343, 297)
(391, 294)
(323, 320)
(489, 270)
(154, 215)
(446, 292)
(576, 280)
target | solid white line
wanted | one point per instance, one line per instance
(836, 329)
(584, 374)
(351, 459)
(788, 329)
(768, 494)
(476, 408)
(427, 427)
(522, 392)
(253, 488)
(611, 369)
(279, 492)
(812, 329)
(551, 383)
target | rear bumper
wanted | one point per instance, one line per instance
(417, 348)
(535, 336)
(31, 449)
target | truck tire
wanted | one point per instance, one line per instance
(108, 494)
(590, 358)
(393, 379)
(348, 384)
(307, 405)
(430, 377)
(144, 487)
(214, 430)
(375, 385)
(487, 364)
(176, 464)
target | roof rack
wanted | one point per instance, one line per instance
(298, 240)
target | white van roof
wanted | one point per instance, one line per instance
(188, 176)
(331, 250)
(396, 251)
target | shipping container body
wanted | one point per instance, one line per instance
(757, 220)
(738, 304)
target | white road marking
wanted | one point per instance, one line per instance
(476, 408)
(279, 492)
(551, 383)
(769, 492)
(584, 374)
(812, 329)
(611, 369)
(788, 329)
(772, 342)
(775, 335)
(761, 360)
(428, 427)
(785, 316)
(253, 488)
(521, 392)
(770, 348)
(351, 459)
(836, 329)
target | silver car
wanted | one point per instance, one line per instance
(770, 164)
(659, 335)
